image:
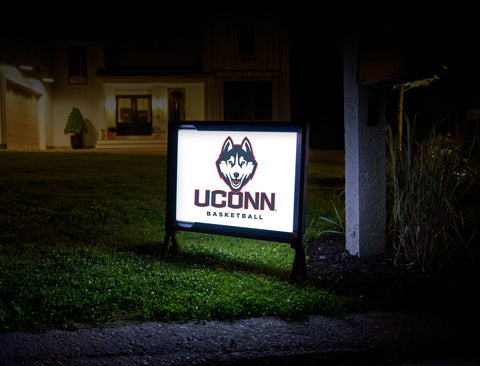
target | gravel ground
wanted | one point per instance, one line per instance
(364, 339)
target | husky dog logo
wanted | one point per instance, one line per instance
(236, 164)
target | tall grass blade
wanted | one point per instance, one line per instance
(425, 181)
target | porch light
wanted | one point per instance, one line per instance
(110, 103)
(26, 67)
(157, 103)
(48, 79)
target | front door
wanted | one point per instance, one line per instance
(134, 115)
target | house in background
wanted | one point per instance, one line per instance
(134, 82)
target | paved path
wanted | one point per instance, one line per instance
(364, 339)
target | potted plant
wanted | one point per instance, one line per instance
(77, 127)
(112, 133)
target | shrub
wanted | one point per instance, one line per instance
(75, 123)
(425, 182)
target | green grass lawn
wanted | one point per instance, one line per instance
(80, 235)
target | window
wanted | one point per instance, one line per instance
(246, 39)
(134, 115)
(176, 104)
(77, 65)
(124, 109)
(247, 101)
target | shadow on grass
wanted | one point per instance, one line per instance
(154, 249)
(372, 283)
(212, 260)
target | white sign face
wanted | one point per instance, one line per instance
(235, 178)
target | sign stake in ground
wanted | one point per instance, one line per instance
(245, 179)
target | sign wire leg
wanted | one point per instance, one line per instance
(169, 237)
(299, 267)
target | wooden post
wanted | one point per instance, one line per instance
(401, 90)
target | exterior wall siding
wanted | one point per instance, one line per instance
(87, 98)
(270, 62)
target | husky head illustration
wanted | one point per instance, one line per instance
(236, 163)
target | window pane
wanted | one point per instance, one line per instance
(246, 39)
(176, 104)
(143, 110)
(124, 109)
(77, 65)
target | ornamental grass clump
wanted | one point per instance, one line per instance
(425, 182)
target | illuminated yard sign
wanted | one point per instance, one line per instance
(243, 179)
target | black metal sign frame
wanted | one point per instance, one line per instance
(295, 237)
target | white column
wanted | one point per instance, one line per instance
(365, 192)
